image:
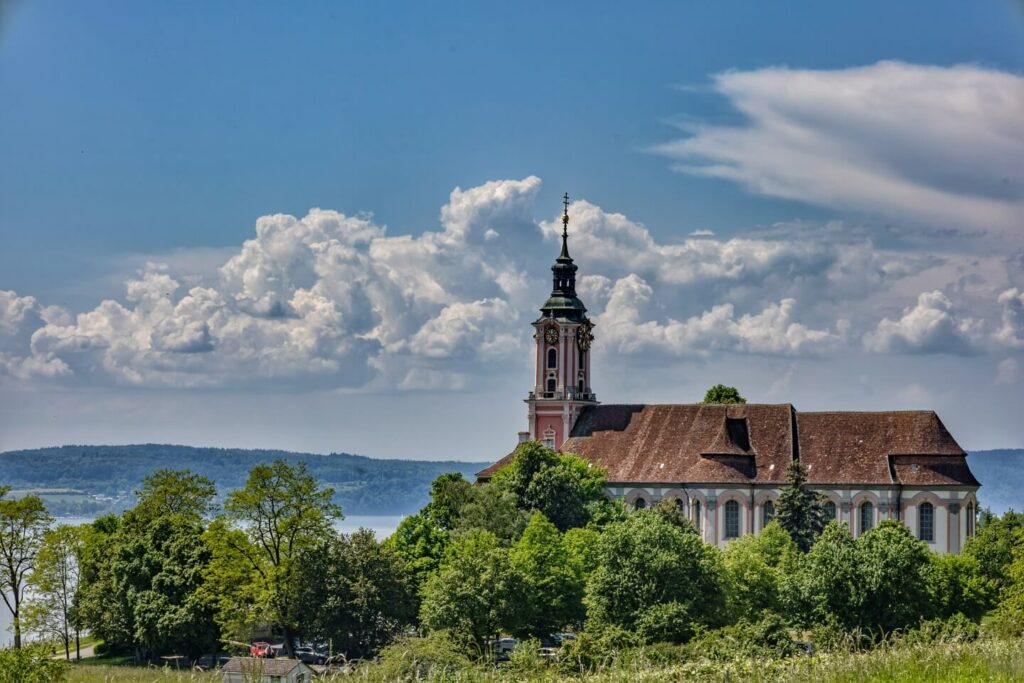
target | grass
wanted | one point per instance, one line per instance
(989, 660)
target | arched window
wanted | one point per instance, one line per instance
(640, 504)
(867, 516)
(970, 520)
(830, 511)
(767, 513)
(583, 359)
(552, 358)
(696, 514)
(732, 519)
(552, 384)
(926, 521)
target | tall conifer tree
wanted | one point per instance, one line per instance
(799, 510)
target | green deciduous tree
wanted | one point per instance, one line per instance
(55, 585)
(645, 562)
(723, 394)
(281, 511)
(756, 571)
(956, 585)
(32, 664)
(149, 571)
(995, 546)
(23, 521)
(475, 593)
(558, 485)
(354, 593)
(828, 584)
(553, 597)
(893, 567)
(799, 510)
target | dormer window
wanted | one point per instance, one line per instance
(736, 428)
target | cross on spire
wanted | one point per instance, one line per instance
(565, 215)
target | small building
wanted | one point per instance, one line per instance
(260, 670)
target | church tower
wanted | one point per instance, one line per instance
(562, 334)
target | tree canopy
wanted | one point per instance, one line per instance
(723, 394)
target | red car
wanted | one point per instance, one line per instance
(261, 649)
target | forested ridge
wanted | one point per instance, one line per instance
(91, 480)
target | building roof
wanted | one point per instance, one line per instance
(258, 665)
(755, 443)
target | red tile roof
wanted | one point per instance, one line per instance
(691, 443)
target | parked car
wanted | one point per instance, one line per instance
(308, 655)
(262, 649)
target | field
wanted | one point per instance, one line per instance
(985, 660)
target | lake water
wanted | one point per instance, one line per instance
(382, 525)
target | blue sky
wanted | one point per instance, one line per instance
(135, 133)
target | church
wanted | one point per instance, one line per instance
(726, 464)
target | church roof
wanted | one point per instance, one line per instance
(755, 443)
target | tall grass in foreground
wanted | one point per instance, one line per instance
(987, 660)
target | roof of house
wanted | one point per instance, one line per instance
(257, 665)
(755, 443)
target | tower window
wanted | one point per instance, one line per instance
(926, 522)
(732, 519)
(552, 358)
(583, 359)
(552, 385)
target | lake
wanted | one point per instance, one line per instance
(382, 525)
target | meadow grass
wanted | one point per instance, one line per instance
(987, 660)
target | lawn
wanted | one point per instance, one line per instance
(993, 661)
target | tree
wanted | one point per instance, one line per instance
(995, 546)
(723, 394)
(956, 586)
(475, 593)
(645, 562)
(281, 511)
(23, 522)
(448, 494)
(145, 574)
(560, 486)
(55, 584)
(799, 510)
(421, 543)
(553, 597)
(355, 593)
(32, 664)
(892, 567)
(756, 569)
(827, 586)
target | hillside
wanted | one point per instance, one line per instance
(91, 480)
(1001, 473)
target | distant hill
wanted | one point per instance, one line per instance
(92, 480)
(1001, 473)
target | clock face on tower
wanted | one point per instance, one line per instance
(551, 335)
(584, 337)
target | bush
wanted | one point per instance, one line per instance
(766, 638)
(667, 622)
(590, 652)
(31, 665)
(435, 655)
(956, 629)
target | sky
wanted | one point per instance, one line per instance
(327, 227)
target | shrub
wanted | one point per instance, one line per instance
(591, 652)
(435, 655)
(667, 622)
(767, 637)
(31, 665)
(955, 629)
